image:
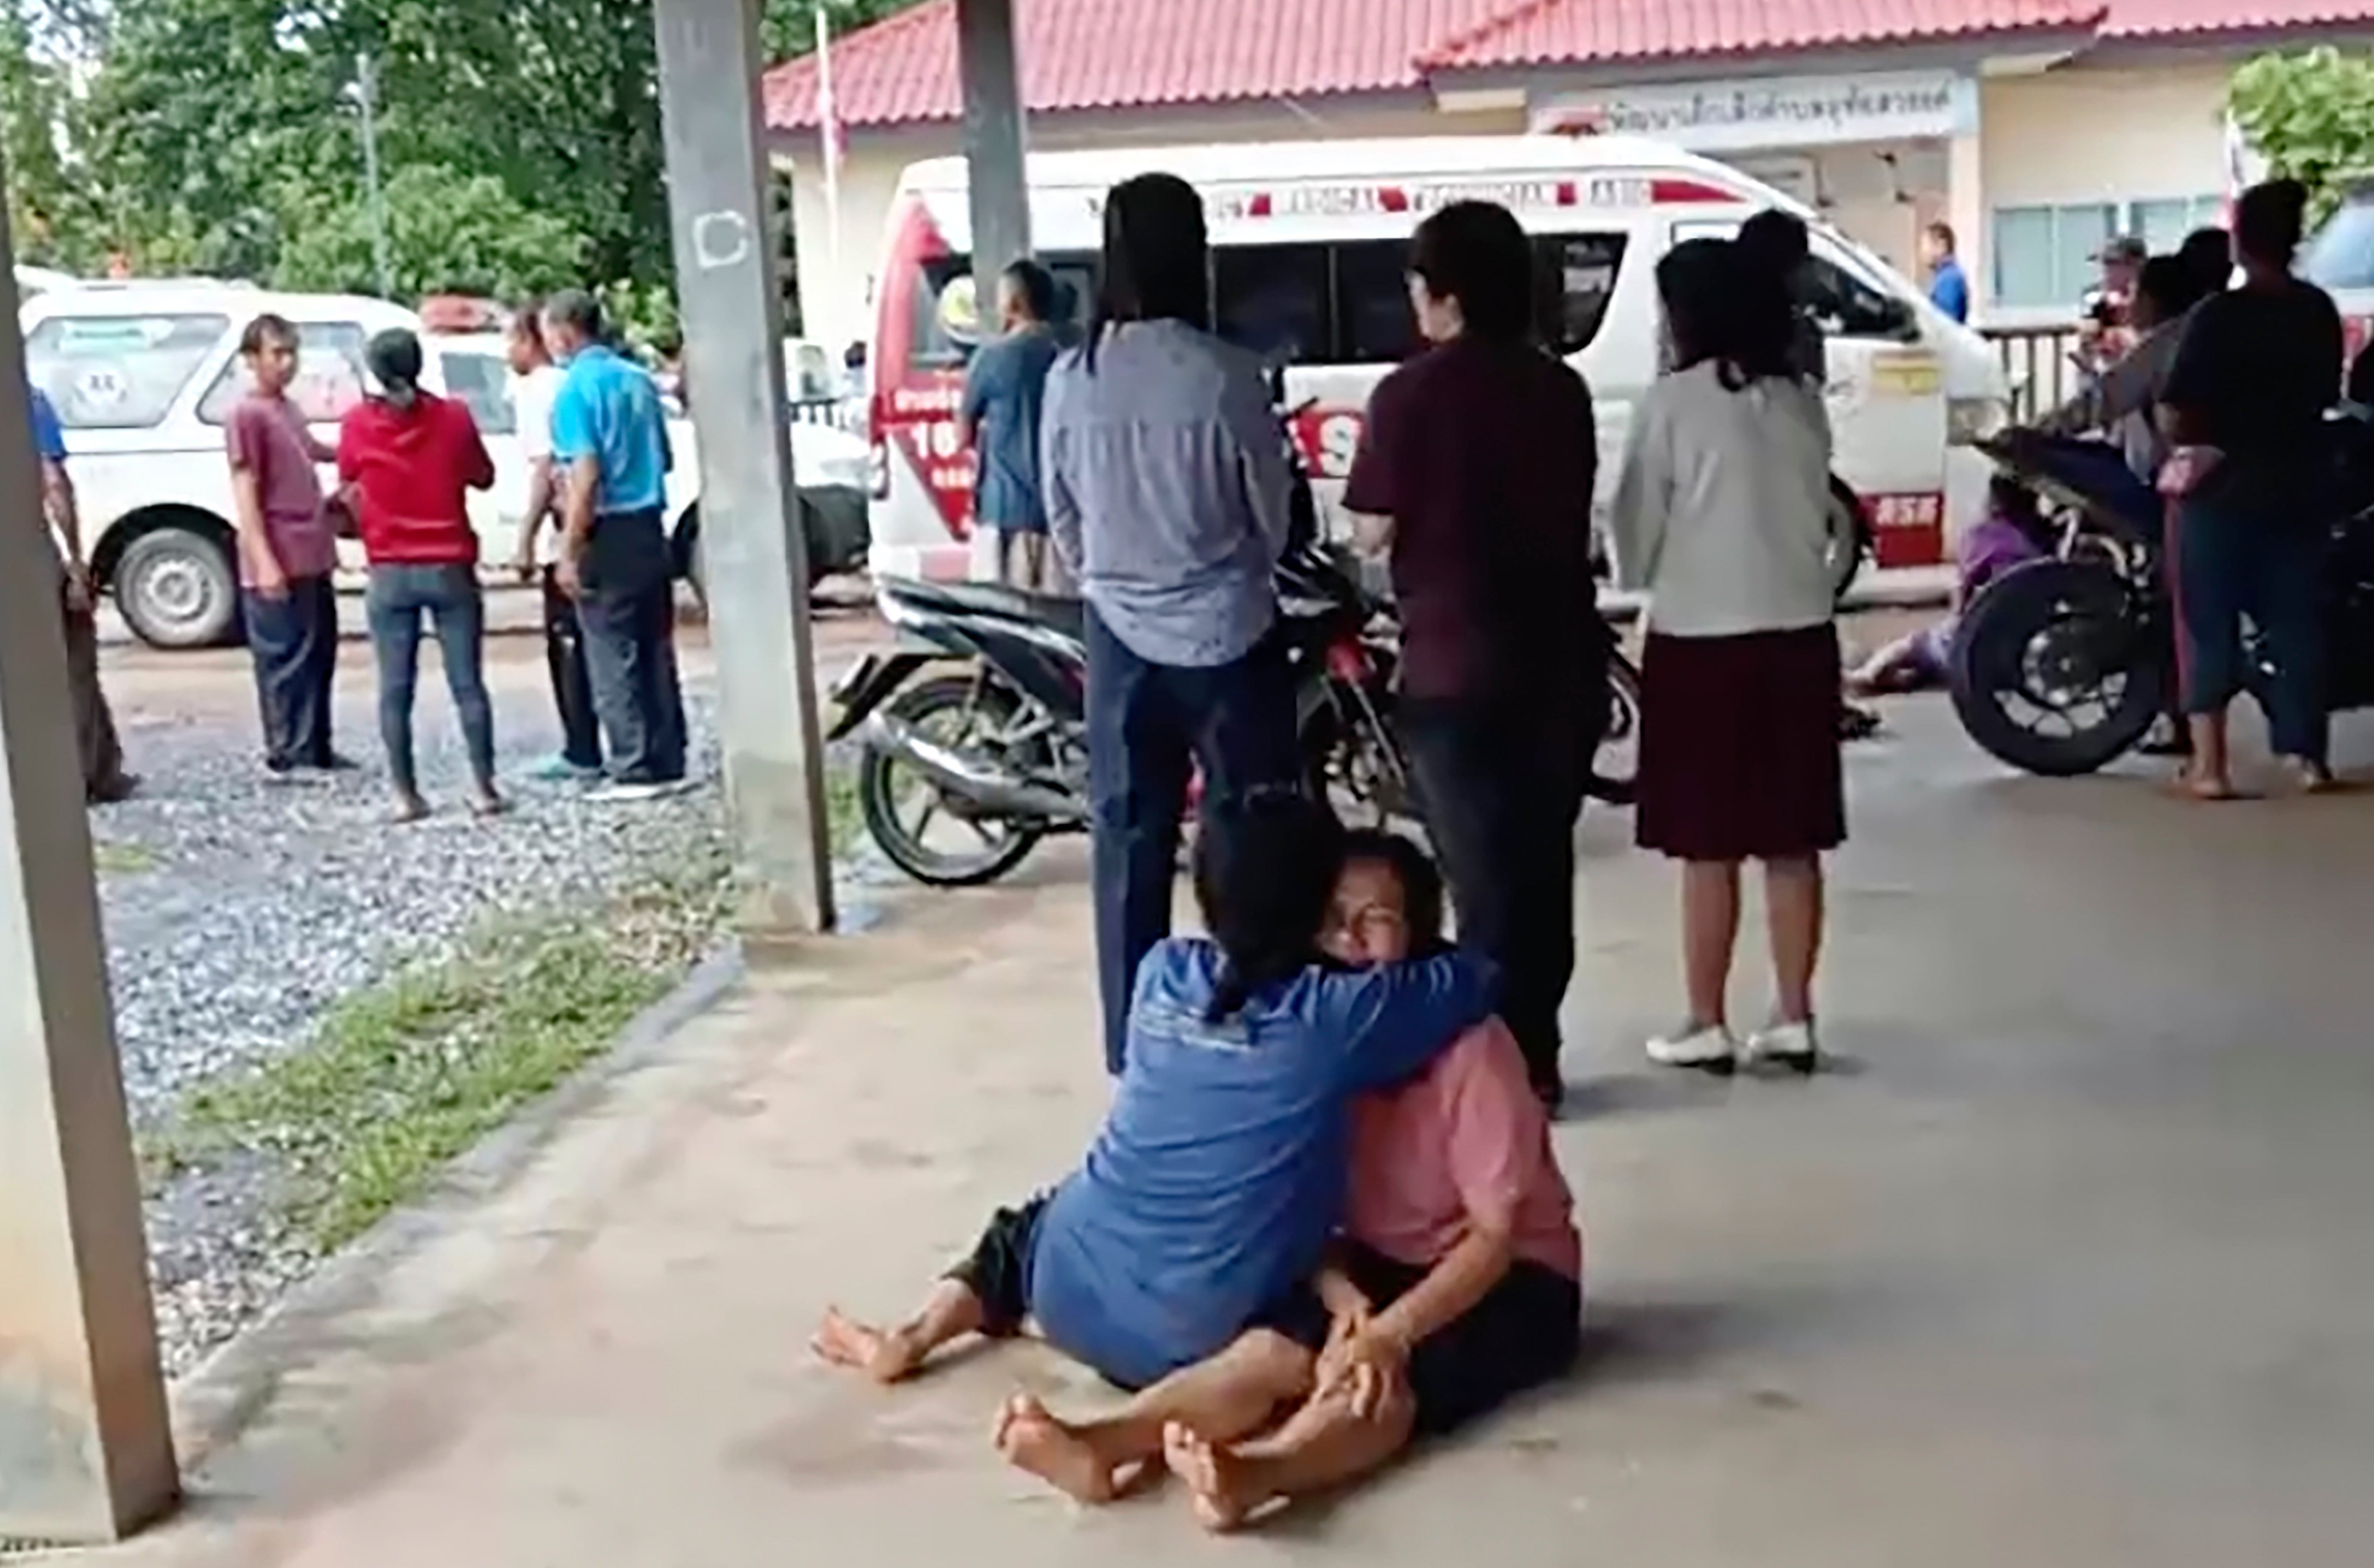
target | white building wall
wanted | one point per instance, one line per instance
(2084, 135)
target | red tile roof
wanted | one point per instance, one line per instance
(2177, 19)
(1083, 55)
(1546, 32)
(1129, 54)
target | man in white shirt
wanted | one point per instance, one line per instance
(536, 384)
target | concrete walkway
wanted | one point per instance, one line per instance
(2070, 1266)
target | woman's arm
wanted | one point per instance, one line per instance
(1451, 1289)
(1389, 1022)
(1637, 520)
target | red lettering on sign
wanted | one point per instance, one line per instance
(1908, 529)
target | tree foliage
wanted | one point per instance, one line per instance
(519, 140)
(2310, 115)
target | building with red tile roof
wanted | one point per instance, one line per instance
(2038, 128)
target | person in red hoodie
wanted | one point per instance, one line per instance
(412, 457)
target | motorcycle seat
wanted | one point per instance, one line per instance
(1067, 616)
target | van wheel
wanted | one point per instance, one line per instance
(176, 588)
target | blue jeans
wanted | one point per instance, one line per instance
(2237, 558)
(626, 607)
(294, 641)
(449, 596)
(1147, 724)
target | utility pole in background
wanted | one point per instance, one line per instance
(367, 91)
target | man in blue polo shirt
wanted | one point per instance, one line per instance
(609, 435)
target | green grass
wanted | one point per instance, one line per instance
(121, 859)
(402, 1076)
(843, 815)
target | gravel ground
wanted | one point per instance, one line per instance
(237, 911)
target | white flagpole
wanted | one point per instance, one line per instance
(828, 135)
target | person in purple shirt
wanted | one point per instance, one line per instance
(1177, 1260)
(288, 551)
(2014, 533)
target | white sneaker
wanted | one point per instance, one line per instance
(1710, 1050)
(615, 794)
(1793, 1047)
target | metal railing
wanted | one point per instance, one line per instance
(2040, 362)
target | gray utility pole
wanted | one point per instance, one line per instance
(997, 182)
(85, 1455)
(753, 538)
(367, 89)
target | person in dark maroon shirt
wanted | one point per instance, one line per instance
(412, 457)
(1478, 462)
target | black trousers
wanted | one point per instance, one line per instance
(294, 641)
(1526, 1331)
(626, 612)
(1501, 787)
(572, 684)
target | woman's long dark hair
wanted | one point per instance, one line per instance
(1730, 303)
(1157, 259)
(1265, 879)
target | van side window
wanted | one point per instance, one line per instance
(1848, 307)
(1373, 323)
(949, 322)
(119, 372)
(1274, 301)
(481, 382)
(329, 376)
(1576, 274)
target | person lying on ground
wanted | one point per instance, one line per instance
(2012, 533)
(1193, 1230)
(1458, 1283)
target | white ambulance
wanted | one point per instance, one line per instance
(1309, 244)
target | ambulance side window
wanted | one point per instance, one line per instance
(1848, 307)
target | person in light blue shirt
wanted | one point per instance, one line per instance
(1949, 289)
(1178, 1259)
(1168, 495)
(609, 439)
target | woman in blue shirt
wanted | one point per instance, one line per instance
(1193, 1230)
(1168, 500)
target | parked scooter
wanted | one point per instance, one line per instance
(2060, 666)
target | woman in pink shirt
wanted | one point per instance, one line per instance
(1459, 1280)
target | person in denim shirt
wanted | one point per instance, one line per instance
(1169, 498)
(1004, 390)
(1178, 1259)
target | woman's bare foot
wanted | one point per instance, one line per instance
(1034, 1441)
(2193, 784)
(1210, 1475)
(486, 802)
(409, 808)
(884, 1355)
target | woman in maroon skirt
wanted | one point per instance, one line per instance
(1721, 518)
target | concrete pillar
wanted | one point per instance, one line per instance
(989, 63)
(752, 535)
(85, 1455)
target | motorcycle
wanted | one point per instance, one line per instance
(998, 748)
(2059, 667)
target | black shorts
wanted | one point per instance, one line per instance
(1524, 1333)
(998, 1274)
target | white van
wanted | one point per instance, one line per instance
(142, 375)
(1309, 247)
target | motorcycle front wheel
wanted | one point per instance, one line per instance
(911, 818)
(2055, 672)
